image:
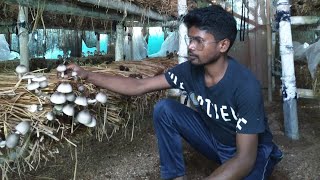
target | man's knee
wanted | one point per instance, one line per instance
(163, 108)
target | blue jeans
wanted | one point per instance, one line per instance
(173, 120)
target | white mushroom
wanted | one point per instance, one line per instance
(91, 101)
(64, 88)
(81, 101)
(50, 116)
(23, 127)
(81, 88)
(93, 122)
(39, 78)
(68, 109)
(29, 77)
(70, 97)
(74, 75)
(21, 70)
(32, 108)
(2, 143)
(58, 107)
(33, 86)
(12, 140)
(58, 98)
(61, 68)
(43, 84)
(84, 117)
(101, 97)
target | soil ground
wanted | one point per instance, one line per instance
(119, 158)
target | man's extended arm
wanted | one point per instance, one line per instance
(242, 163)
(123, 85)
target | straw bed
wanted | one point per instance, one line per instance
(120, 111)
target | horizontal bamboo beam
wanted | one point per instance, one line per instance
(129, 7)
(67, 8)
(304, 20)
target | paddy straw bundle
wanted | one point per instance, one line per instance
(16, 104)
(304, 79)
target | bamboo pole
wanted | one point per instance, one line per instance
(288, 76)
(304, 20)
(129, 7)
(23, 36)
(183, 31)
(183, 48)
(119, 43)
(68, 8)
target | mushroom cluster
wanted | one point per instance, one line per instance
(34, 83)
(13, 139)
(72, 102)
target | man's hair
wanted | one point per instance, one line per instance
(214, 20)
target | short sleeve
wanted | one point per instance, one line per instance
(177, 76)
(250, 109)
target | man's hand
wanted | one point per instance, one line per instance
(80, 72)
(242, 163)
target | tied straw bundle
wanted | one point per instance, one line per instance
(120, 111)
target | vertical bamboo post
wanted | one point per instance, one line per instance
(23, 36)
(183, 31)
(269, 47)
(119, 43)
(288, 75)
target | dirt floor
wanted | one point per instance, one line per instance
(119, 158)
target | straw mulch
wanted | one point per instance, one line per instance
(304, 79)
(39, 143)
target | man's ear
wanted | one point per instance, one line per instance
(224, 45)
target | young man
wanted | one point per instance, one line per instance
(228, 123)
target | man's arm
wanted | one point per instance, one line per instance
(123, 85)
(242, 163)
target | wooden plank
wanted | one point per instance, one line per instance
(306, 93)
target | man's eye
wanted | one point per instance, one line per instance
(197, 40)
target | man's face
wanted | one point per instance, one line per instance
(203, 48)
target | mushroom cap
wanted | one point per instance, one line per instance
(2, 144)
(84, 117)
(93, 122)
(43, 84)
(58, 107)
(28, 76)
(33, 86)
(64, 88)
(39, 78)
(101, 97)
(21, 69)
(58, 98)
(81, 88)
(68, 109)
(91, 101)
(70, 97)
(61, 68)
(12, 140)
(23, 127)
(32, 108)
(74, 73)
(50, 116)
(81, 100)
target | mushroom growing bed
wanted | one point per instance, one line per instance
(54, 113)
